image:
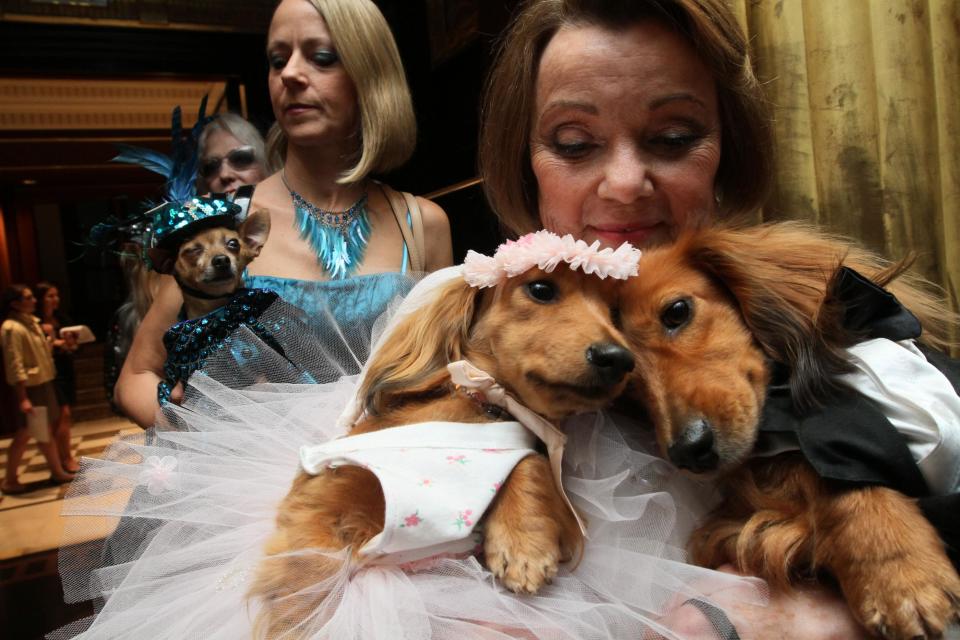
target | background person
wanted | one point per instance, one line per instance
(142, 284)
(28, 365)
(343, 113)
(65, 346)
(231, 154)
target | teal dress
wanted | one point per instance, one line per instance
(360, 299)
(341, 312)
(339, 316)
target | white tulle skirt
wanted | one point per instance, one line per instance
(197, 496)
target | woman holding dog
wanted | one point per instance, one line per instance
(631, 567)
(343, 113)
(627, 122)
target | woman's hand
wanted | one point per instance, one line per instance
(69, 340)
(806, 612)
(26, 407)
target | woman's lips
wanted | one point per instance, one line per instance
(298, 109)
(635, 234)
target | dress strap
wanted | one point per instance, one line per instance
(402, 204)
(416, 224)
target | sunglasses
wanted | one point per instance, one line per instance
(240, 158)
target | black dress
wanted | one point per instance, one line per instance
(66, 381)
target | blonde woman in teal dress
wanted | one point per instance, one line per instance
(341, 243)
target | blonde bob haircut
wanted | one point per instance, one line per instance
(745, 172)
(369, 55)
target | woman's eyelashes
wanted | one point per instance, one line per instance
(321, 58)
(667, 144)
(679, 141)
(325, 58)
(571, 143)
(572, 149)
(278, 53)
(676, 141)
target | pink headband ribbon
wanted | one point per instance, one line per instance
(546, 250)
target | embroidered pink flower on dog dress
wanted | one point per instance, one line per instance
(438, 479)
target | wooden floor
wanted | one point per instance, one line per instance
(31, 531)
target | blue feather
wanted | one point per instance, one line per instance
(181, 166)
(176, 129)
(146, 158)
(202, 120)
(186, 162)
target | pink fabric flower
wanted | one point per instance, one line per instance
(159, 476)
(546, 250)
(463, 519)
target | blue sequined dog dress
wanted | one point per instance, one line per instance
(190, 343)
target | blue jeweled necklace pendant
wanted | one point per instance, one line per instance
(339, 238)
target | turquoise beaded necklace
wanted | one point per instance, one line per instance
(339, 238)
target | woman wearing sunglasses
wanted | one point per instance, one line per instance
(341, 243)
(231, 155)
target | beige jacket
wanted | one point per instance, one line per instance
(27, 356)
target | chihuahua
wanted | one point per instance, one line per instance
(209, 265)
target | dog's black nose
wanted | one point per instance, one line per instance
(694, 449)
(611, 361)
(220, 262)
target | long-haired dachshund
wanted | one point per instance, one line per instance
(549, 340)
(707, 318)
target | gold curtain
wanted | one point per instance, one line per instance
(867, 103)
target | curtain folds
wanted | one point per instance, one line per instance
(866, 96)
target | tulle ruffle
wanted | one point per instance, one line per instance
(196, 499)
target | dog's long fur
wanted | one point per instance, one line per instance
(537, 351)
(706, 318)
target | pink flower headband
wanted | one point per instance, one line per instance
(546, 250)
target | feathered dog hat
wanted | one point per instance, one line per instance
(181, 213)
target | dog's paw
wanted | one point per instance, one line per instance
(907, 599)
(522, 561)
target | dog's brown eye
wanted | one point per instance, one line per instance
(676, 314)
(542, 291)
(233, 244)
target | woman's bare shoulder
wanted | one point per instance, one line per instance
(434, 217)
(436, 230)
(271, 194)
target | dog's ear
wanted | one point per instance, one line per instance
(779, 275)
(254, 231)
(162, 260)
(414, 358)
